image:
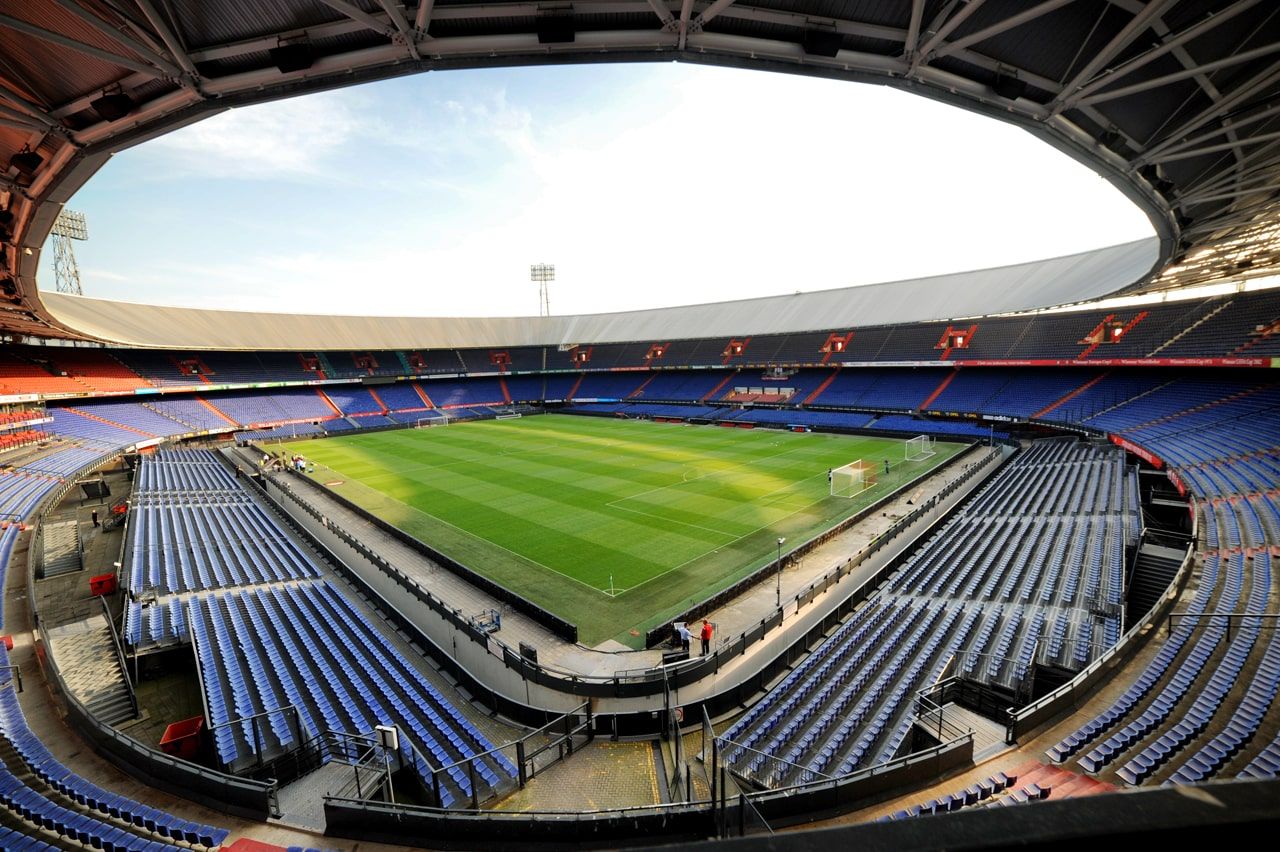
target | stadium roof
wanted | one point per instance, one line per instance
(962, 294)
(1176, 102)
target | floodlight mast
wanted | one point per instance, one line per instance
(69, 226)
(543, 274)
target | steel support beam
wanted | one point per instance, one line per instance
(422, 19)
(1113, 75)
(709, 14)
(79, 47)
(1213, 149)
(1009, 23)
(1177, 76)
(1136, 26)
(102, 27)
(946, 28)
(1247, 170)
(168, 36)
(1240, 94)
(664, 14)
(913, 30)
(404, 29)
(360, 16)
(8, 119)
(1236, 124)
(686, 9)
(1272, 185)
(29, 108)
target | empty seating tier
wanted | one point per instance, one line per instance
(994, 588)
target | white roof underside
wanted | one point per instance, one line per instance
(1026, 286)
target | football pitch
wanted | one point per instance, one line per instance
(613, 525)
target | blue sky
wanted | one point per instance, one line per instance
(646, 185)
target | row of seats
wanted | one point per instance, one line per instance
(193, 546)
(1103, 400)
(83, 809)
(24, 485)
(982, 590)
(1194, 713)
(182, 470)
(284, 639)
(21, 438)
(269, 648)
(37, 788)
(1218, 327)
(898, 424)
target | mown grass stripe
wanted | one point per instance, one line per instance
(555, 506)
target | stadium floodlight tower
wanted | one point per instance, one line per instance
(69, 226)
(543, 274)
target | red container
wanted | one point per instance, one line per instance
(103, 584)
(182, 739)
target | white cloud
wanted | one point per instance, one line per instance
(680, 184)
(295, 137)
(96, 274)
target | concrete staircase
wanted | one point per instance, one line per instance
(59, 549)
(1204, 319)
(85, 654)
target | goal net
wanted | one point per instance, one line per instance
(919, 448)
(852, 479)
(424, 422)
(508, 415)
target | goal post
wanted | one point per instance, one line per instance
(852, 479)
(426, 422)
(920, 448)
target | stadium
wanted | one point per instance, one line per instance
(975, 560)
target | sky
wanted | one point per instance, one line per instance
(645, 184)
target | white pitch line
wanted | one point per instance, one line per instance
(671, 520)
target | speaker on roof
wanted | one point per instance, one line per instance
(1009, 87)
(822, 42)
(113, 106)
(26, 161)
(1109, 139)
(292, 57)
(555, 29)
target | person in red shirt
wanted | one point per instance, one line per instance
(706, 636)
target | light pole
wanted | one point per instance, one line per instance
(543, 274)
(781, 541)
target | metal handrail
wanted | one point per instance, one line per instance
(118, 647)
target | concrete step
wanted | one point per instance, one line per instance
(86, 655)
(60, 548)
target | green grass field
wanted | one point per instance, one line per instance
(613, 525)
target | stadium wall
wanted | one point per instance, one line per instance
(624, 827)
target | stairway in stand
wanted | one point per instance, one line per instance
(87, 658)
(59, 549)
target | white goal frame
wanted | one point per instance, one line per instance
(852, 479)
(428, 422)
(510, 415)
(919, 448)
